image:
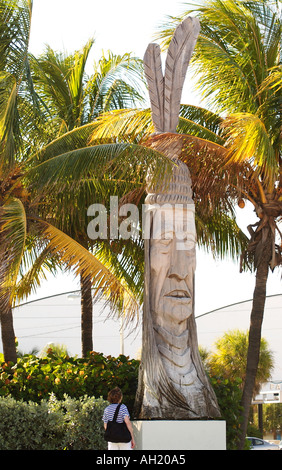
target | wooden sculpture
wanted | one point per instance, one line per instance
(172, 381)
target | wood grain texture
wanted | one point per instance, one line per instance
(172, 382)
(155, 79)
(178, 56)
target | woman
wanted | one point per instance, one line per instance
(115, 398)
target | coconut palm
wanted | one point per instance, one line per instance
(201, 134)
(237, 60)
(14, 31)
(240, 159)
(233, 152)
(74, 99)
(230, 357)
(26, 203)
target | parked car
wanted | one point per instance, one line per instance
(280, 445)
(261, 444)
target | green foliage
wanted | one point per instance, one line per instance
(34, 379)
(229, 359)
(273, 417)
(26, 426)
(226, 366)
(228, 390)
(82, 422)
(48, 402)
(67, 424)
(229, 396)
(72, 384)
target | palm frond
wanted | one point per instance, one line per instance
(13, 231)
(78, 259)
(200, 122)
(270, 93)
(15, 17)
(76, 79)
(126, 260)
(117, 82)
(75, 99)
(36, 265)
(238, 43)
(192, 145)
(248, 140)
(8, 97)
(50, 75)
(202, 116)
(213, 60)
(75, 139)
(118, 163)
(135, 125)
(219, 234)
(126, 125)
(15, 20)
(214, 179)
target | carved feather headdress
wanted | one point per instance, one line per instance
(165, 90)
(165, 96)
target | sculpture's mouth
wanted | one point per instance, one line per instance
(179, 294)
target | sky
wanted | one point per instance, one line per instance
(117, 25)
(127, 26)
(67, 25)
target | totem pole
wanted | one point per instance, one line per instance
(172, 380)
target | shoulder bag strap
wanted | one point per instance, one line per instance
(116, 412)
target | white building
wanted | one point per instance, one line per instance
(56, 319)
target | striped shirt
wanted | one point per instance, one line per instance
(110, 411)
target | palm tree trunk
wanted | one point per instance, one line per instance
(86, 315)
(8, 334)
(255, 336)
(6, 313)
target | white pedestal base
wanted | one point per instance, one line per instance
(180, 435)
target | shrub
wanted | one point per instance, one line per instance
(83, 425)
(229, 395)
(80, 379)
(28, 426)
(34, 379)
(52, 425)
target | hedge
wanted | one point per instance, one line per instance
(68, 424)
(34, 379)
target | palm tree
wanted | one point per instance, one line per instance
(201, 134)
(14, 31)
(26, 230)
(230, 357)
(73, 99)
(237, 63)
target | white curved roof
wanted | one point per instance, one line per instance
(56, 319)
(212, 325)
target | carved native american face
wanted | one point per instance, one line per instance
(173, 263)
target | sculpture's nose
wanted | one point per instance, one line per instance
(178, 268)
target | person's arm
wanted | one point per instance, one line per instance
(130, 429)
